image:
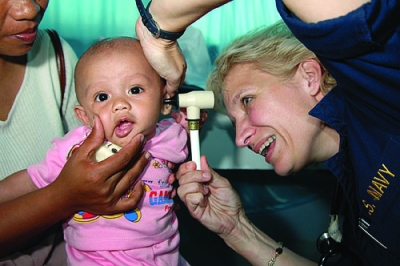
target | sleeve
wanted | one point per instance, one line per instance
(361, 51)
(46, 171)
(362, 30)
(170, 142)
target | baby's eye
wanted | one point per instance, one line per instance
(135, 90)
(101, 97)
(246, 100)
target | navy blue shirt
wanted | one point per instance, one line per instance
(362, 52)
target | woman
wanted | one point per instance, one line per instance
(30, 118)
(286, 117)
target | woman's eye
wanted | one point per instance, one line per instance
(101, 97)
(247, 100)
(135, 90)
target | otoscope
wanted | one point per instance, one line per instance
(193, 101)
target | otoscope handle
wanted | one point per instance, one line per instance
(193, 101)
(195, 147)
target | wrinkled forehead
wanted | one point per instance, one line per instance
(235, 83)
(231, 97)
(220, 85)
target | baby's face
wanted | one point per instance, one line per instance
(124, 91)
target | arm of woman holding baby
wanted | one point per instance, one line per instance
(83, 184)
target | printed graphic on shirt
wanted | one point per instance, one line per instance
(159, 193)
(160, 163)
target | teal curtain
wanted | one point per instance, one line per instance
(222, 25)
(82, 22)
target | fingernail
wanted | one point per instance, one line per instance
(206, 175)
(206, 190)
(147, 155)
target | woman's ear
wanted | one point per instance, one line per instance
(312, 72)
(81, 115)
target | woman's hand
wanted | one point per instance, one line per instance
(212, 201)
(164, 56)
(97, 187)
(209, 197)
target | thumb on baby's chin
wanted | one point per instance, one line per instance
(97, 134)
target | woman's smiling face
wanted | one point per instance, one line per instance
(271, 116)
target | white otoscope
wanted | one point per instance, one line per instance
(193, 101)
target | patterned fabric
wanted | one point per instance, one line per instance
(152, 223)
(34, 119)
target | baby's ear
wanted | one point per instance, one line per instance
(166, 108)
(81, 115)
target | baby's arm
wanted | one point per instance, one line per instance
(16, 185)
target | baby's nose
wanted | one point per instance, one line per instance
(121, 105)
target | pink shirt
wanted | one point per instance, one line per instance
(151, 222)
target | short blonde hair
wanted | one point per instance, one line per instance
(272, 49)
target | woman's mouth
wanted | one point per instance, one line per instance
(28, 36)
(263, 150)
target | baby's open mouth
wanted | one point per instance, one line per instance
(123, 128)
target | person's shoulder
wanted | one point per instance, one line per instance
(169, 125)
(41, 44)
(80, 132)
(166, 122)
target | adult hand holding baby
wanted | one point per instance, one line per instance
(83, 184)
(99, 187)
(164, 56)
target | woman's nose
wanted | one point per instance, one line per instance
(243, 134)
(26, 10)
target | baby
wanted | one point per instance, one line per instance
(115, 82)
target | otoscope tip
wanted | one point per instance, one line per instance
(172, 101)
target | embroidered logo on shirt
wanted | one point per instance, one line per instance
(377, 188)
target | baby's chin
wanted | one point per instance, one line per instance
(120, 142)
